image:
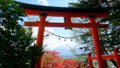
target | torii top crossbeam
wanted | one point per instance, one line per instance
(31, 9)
(67, 13)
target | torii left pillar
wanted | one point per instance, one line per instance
(40, 36)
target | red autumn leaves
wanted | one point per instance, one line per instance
(51, 59)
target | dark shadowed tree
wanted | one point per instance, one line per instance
(15, 40)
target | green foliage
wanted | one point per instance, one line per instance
(15, 40)
(110, 37)
(85, 4)
(34, 53)
(95, 3)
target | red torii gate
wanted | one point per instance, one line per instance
(67, 13)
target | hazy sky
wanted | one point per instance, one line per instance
(62, 3)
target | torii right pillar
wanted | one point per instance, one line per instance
(96, 42)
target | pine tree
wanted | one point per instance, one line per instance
(110, 37)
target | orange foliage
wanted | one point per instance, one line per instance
(51, 59)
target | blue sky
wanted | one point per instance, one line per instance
(53, 42)
(61, 3)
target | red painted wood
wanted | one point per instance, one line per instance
(105, 57)
(117, 57)
(65, 14)
(90, 61)
(72, 25)
(67, 21)
(96, 43)
(40, 37)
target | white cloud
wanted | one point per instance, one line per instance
(53, 43)
(44, 2)
(35, 31)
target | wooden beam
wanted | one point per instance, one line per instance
(65, 14)
(32, 9)
(72, 25)
(105, 57)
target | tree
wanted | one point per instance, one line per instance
(51, 59)
(109, 38)
(15, 40)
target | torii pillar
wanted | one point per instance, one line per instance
(97, 42)
(40, 36)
